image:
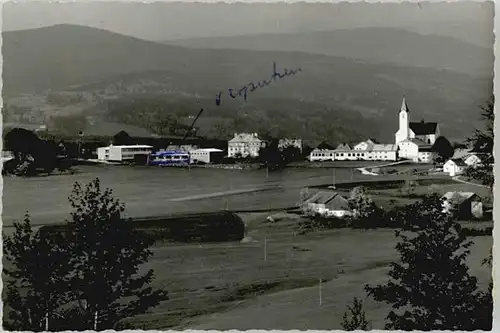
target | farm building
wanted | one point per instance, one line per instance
(472, 160)
(206, 155)
(327, 203)
(124, 153)
(455, 166)
(467, 204)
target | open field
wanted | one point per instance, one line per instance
(237, 286)
(163, 191)
(150, 191)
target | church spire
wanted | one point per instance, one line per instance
(404, 107)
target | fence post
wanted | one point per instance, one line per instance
(320, 293)
(265, 249)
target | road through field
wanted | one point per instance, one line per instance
(163, 191)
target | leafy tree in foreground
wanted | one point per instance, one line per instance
(430, 288)
(106, 254)
(482, 143)
(366, 214)
(442, 150)
(36, 268)
(361, 203)
(355, 320)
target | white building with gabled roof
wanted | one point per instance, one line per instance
(244, 144)
(454, 167)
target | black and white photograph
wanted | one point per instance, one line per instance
(247, 166)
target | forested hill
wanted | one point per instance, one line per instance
(108, 65)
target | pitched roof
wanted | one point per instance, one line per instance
(207, 150)
(423, 128)
(324, 145)
(458, 161)
(245, 137)
(332, 200)
(460, 153)
(420, 143)
(384, 147)
(343, 146)
(459, 196)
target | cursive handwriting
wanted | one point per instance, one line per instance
(243, 91)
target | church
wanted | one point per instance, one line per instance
(415, 139)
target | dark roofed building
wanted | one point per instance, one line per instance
(343, 146)
(423, 128)
(467, 205)
(324, 146)
(327, 203)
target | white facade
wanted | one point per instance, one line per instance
(415, 150)
(403, 132)
(322, 155)
(122, 153)
(204, 154)
(425, 156)
(244, 144)
(454, 167)
(377, 152)
(425, 132)
(327, 212)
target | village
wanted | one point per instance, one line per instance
(414, 143)
(414, 154)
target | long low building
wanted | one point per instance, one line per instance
(373, 152)
(123, 153)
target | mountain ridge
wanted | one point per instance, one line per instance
(379, 44)
(109, 65)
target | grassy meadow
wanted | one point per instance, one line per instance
(274, 270)
(238, 285)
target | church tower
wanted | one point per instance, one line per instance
(404, 123)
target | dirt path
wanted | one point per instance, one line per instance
(457, 178)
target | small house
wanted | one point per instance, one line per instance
(454, 166)
(327, 203)
(472, 160)
(467, 205)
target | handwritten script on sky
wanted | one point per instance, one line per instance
(243, 91)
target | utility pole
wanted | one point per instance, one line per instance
(320, 293)
(265, 249)
(95, 320)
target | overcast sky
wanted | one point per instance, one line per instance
(471, 21)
